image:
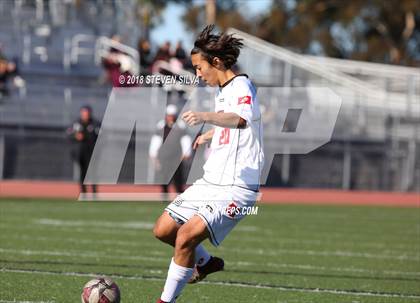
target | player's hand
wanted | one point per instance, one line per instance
(199, 141)
(192, 118)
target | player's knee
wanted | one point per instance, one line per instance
(160, 232)
(156, 231)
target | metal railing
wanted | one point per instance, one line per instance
(376, 98)
(390, 78)
(103, 45)
(176, 71)
(74, 48)
(365, 68)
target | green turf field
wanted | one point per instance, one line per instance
(49, 249)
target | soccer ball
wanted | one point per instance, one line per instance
(101, 290)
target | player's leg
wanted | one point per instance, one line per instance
(220, 223)
(166, 228)
(189, 236)
(83, 170)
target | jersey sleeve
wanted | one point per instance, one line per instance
(242, 101)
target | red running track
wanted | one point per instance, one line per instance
(69, 190)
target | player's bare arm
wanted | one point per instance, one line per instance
(229, 120)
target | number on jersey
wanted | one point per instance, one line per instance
(224, 136)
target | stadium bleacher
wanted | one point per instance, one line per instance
(372, 94)
(365, 153)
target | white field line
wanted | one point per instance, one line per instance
(135, 233)
(355, 235)
(318, 242)
(28, 252)
(82, 241)
(341, 269)
(325, 253)
(116, 225)
(83, 230)
(3, 301)
(229, 284)
(101, 224)
(149, 225)
(134, 243)
(130, 228)
(279, 252)
(337, 253)
(107, 227)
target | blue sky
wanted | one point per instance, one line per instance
(172, 29)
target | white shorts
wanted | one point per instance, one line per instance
(215, 204)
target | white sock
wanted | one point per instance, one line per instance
(201, 255)
(177, 277)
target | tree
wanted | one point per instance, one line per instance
(370, 30)
(149, 13)
(227, 15)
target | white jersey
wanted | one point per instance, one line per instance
(237, 155)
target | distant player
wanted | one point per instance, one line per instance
(177, 146)
(231, 173)
(85, 132)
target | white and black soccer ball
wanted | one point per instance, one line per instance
(101, 290)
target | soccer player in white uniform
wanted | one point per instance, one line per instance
(211, 207)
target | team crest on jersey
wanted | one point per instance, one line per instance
(232, 209)
(244, 100)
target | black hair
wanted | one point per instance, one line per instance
(87, 107)
(221, 45)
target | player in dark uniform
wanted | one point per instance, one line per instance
(84, 132)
